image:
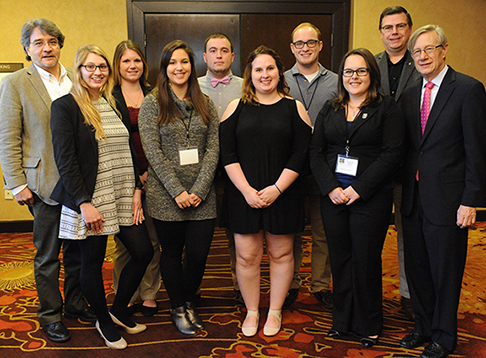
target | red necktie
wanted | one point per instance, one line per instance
(215, 81)
(424, 112)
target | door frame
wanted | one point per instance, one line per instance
(338, 9)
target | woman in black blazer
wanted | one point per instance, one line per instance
(356, 147)
(130, 76)
(99, 189)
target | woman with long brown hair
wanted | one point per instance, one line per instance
(179, 131)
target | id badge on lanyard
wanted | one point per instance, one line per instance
(188, 155)
(346, 164)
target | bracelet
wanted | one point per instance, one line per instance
(278, 188)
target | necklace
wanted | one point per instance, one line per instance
(136, 103)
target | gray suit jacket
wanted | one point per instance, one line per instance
(26, 154)
(408, 77)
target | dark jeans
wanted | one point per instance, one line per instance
(194, 239)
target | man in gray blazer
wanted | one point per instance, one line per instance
(29, 170)
(397, 73)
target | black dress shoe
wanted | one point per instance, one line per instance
(325, 298)
(413, 339)
(334, 333)
(291, 297)
(182, 322)
(86, 315)
(57, 332)
(435, 350)
(149, 311)
(193, 316)
(368, 342)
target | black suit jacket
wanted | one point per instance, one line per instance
(451, 155)
(376, 138)
(408, 77)
(75, 153)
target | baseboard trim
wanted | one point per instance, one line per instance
(16, 226)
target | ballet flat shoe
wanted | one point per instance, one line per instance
(131, 330)
(272, 331)
(120, 344)
(251, 331)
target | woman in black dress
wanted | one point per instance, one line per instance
(356, 147)
(264, 141)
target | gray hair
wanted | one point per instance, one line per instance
(441, 36)
(42, 24)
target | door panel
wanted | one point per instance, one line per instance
(161, 29)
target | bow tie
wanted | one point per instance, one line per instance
(225, 80)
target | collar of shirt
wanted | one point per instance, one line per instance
(322, 71)
(437, 81)
(55, 88)
(49, 76)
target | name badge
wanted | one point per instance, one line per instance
(347, 165)
(188, 156)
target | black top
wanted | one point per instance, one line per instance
(264, 140)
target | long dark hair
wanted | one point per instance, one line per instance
(249, 95)
(373, 96)
(168, 110)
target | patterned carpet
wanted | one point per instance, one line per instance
(304, 326)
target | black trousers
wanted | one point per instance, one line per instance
(355, 237)
(47, 265)
(435, 257)
(93, 248)
(193, 238)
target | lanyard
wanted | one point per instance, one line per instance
(188, 126)
(313, 93)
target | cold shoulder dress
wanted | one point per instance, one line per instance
(264, 140)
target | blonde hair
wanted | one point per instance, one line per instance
(80, 89)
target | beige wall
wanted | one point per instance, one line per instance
(101, 22)
(105, 23)
(462, 21)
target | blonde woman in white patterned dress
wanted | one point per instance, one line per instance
(98, 189)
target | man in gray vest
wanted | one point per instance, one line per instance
(313, 85)
(29, 170)
(397, 73)
(222, 87)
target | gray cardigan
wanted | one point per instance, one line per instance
(166, 178)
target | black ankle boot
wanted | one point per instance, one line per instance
(193, 316)
(181, 320)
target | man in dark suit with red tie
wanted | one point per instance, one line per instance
(444, 182)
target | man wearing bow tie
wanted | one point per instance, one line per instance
(444, 181)
(222, 87)
(219, 83)
(311, 84)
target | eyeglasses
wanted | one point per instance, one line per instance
(92, 68)
(389, 28)
(300, 44)
(429, 50)
(361, 72)
(52, 43)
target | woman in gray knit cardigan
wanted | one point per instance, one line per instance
(179, 130)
